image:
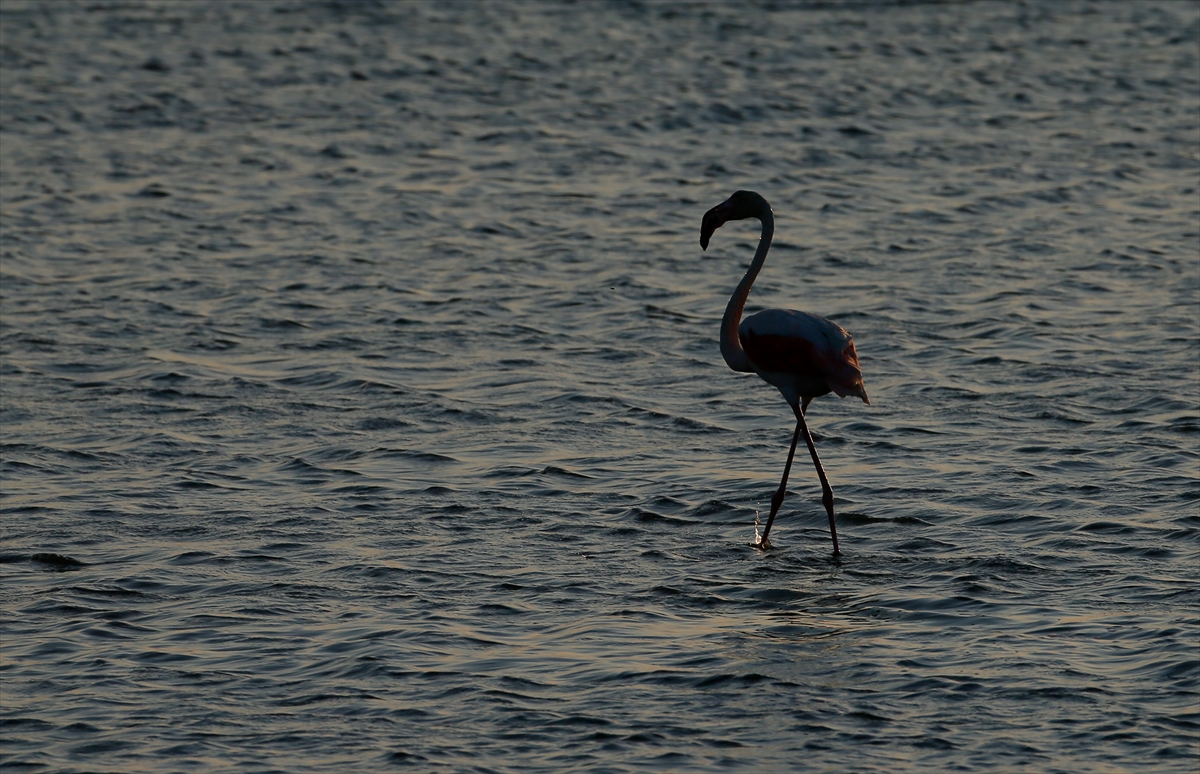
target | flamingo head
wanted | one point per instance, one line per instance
(739, 206)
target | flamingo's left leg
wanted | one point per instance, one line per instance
(826, 489)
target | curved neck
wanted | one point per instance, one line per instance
(731, 346)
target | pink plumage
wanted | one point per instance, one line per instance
(801, 354)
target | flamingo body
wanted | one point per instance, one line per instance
(801, 354)
(804, 356)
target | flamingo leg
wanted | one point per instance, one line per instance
(777, 498)
(826, 489)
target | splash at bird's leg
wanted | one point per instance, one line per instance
(760, 540)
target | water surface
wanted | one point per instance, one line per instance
(362, 406)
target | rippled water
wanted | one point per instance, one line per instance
(362, 405)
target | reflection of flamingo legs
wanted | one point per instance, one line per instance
(802, 355)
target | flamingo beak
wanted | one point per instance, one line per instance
(713, 220)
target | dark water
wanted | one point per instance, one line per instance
(362, 406)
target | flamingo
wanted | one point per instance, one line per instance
(802, 355)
